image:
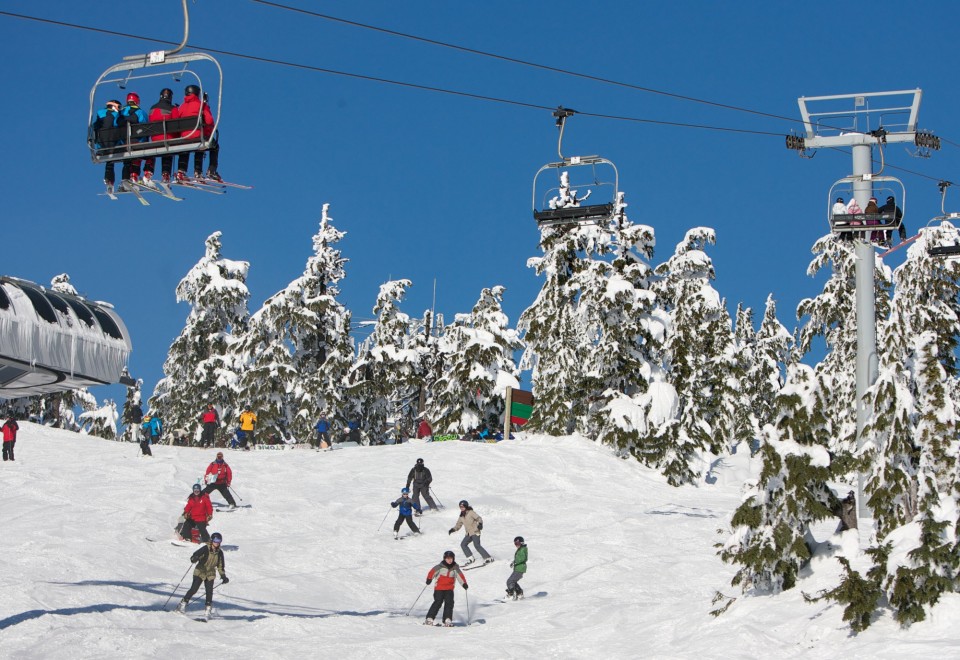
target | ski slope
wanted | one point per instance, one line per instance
(621, 565)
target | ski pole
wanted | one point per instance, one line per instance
(196, 594)
(466, 594)
(418, 598)
(177, 587)
(235, 493)
(384, 520)
(432, 492)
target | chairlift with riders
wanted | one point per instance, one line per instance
(162, 137)
(559, 202)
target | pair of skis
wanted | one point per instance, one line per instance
(137, 188)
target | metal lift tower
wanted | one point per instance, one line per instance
(862, 121)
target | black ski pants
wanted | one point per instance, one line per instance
(208, 439)
(223, 490)
(188, 526)
(145, 447)
(442, 597)
(8, 450)
(423, 489)
(409, 519)
(207, 585)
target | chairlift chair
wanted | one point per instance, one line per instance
(944, 250)
(882, 186)
(559, 202)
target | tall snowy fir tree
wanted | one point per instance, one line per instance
(697, 352)
(772, 536)
(319, 333)
(767, 352)
(478, 365)
(911, 436)
(200, 368)
(132, 410)
(382, 378)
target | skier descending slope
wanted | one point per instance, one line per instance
(421, 479)
(196, 513)
(447, 573)
(218, 477)
(406, 508)
(209, 560)
(473, 525)
(519, 566)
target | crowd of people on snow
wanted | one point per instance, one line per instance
(115, 115)
(871, 216)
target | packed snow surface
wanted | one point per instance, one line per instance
(621, 564)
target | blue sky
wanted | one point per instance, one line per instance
(437, 187)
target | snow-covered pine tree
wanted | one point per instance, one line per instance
(382, 378)
(199, 367)
(132, 410)
(478, 365)
(100, 422)
(320, 333)
(61, 284)
(772, 346)
(831, 317)
(771, 536)
(912, 435)
(697, 352)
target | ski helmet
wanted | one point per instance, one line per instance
(449, 553)
(192, 89)
(196, 487)
(166, 94)
(134, 98)
(519, 540)
(419, 461)
(405, 491)
(216, 538)
(464, 503)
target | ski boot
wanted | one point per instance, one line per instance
(396, 535)
(510, 595)
(208, 612)
(109, 184)
(518, 595)
(447, 623)
(198, 176)
(148, 178)
(165, 177)
(212, 174)
(488, 560)
(469, 561)
(181, 607)
(428, 622)
(181, 176)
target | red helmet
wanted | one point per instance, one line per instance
(133, 98)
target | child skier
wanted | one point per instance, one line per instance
(197, 513)
(519, 565)
(209, 560)
(447, 573)
(472, 523)
(406, 506)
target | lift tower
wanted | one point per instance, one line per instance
(875, 119)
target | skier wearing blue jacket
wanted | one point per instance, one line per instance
(406, 509)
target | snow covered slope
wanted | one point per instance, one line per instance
(621, 565)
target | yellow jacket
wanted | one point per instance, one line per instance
(247, 420)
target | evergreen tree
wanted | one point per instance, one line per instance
(772, 347)
(200, 365)
(100, 422)
(698, 348)
(478, 350)
(132, 410)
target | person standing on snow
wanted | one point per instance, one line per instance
(211, 421)
(150, 429)
(10, 428)
(406, 507)
(421, 479)
(197, 513)
(209, 560)
(447, 573)
(473, 525)
(424, 430)
(323, 433)
(248, 421)
(219, 476)
(519, 565)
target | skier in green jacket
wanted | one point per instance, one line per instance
(519, 565)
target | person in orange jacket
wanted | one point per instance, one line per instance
(447, 573)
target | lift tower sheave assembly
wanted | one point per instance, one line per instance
(862, 121)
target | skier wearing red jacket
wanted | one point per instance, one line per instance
(197, 513)
(447, 573)
(192, 106)
(10, 428)
(218, 477)
(166, 109)
(211, 420)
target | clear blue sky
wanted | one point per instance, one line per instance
(432, 186)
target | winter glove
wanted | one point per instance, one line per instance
(209, 518)
(393, 504)
(511, 564)
(225, 579)
(479, 527)
(429, 580)
(452, 530)
(466, 586)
